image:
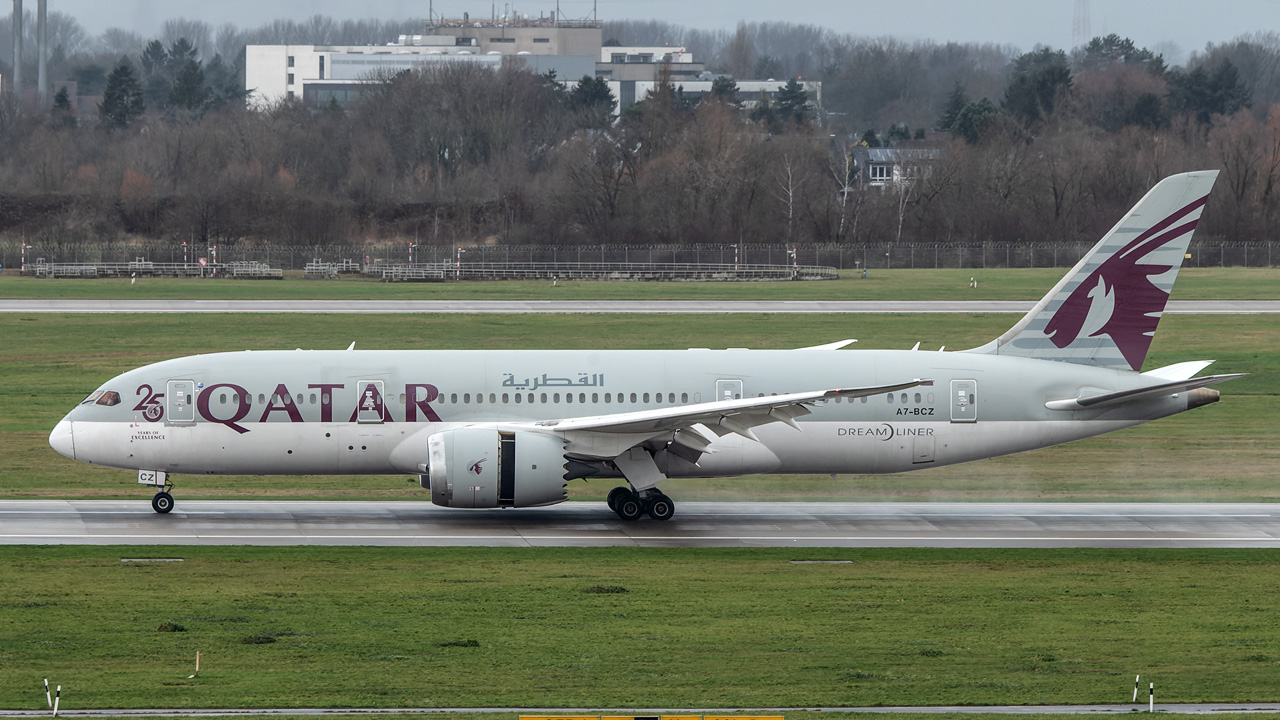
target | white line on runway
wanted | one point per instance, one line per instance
(677, 538)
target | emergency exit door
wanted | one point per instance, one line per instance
(728, 390)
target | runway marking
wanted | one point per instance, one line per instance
(744, 538)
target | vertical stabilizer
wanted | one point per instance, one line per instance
(1105, 311)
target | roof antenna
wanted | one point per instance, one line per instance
(352, 346)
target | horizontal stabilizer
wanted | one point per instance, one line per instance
(1181, 371)
(1124, 396)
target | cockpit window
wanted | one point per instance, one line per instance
(109, 398)
(92, 397)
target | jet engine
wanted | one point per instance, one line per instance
(482, 467)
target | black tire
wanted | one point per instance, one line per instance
(661, 508)
(629, 507)
(162, 502)
(615, 495)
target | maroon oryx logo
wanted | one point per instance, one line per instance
(1118, 298)
(476, 468)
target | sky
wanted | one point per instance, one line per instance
(1189, 24)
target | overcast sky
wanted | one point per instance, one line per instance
(1188, 23)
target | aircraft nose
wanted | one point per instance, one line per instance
(62, 439)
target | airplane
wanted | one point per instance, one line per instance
(511, 428)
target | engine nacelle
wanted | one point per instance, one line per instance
(482, 467)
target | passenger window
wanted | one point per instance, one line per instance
(917, 398)
(555, 397)
(595, 398)
(530, 398)
(402, 398)
(864, 399)
(646, 397)
(466, 398)
(930, 396)
(671, 398)
(506, 398)
(684, 397)
(493, 398)
(608, 397)
(568, 397)
(222, 398)
(313, 398)
(543, 398)
(904, 398)
(262, 399)
(633, 397)
(890, 398)
(453, 399)
(479, 398)
(582, 397)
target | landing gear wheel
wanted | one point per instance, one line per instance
(661, 507)
(162, 502)
(615, 495)
(629, 507)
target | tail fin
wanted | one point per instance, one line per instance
(1105, 311)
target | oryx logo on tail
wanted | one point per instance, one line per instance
(1119, 298)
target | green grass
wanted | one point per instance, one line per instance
(1226, 452)
(511, 627)
(952, 284)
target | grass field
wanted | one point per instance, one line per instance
(627, 627)
(953, 284)
(1227, 451)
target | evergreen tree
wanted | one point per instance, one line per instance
(154, 58)
(974, 120)
(592, 98)
(1040, 79)
(724, 89)
(898, 133)
(189, 92)
(62, 114)
(1207, 94)
(955, 103)
(793, 103)
(122, 101)
(1101, 52)
(870, 139)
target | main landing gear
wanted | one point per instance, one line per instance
(630, 505)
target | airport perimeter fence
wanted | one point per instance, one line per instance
(1204, 253)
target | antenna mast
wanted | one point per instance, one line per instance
(1080, 31)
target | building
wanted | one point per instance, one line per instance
(894, 166)
(321, 74)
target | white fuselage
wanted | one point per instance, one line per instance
(371, 412)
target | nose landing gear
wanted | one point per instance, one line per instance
(162, 501)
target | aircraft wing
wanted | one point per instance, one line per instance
(721, 417)
(1122, 396)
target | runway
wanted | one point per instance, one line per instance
(591, 524)
(1176, 708)
(525, 307)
